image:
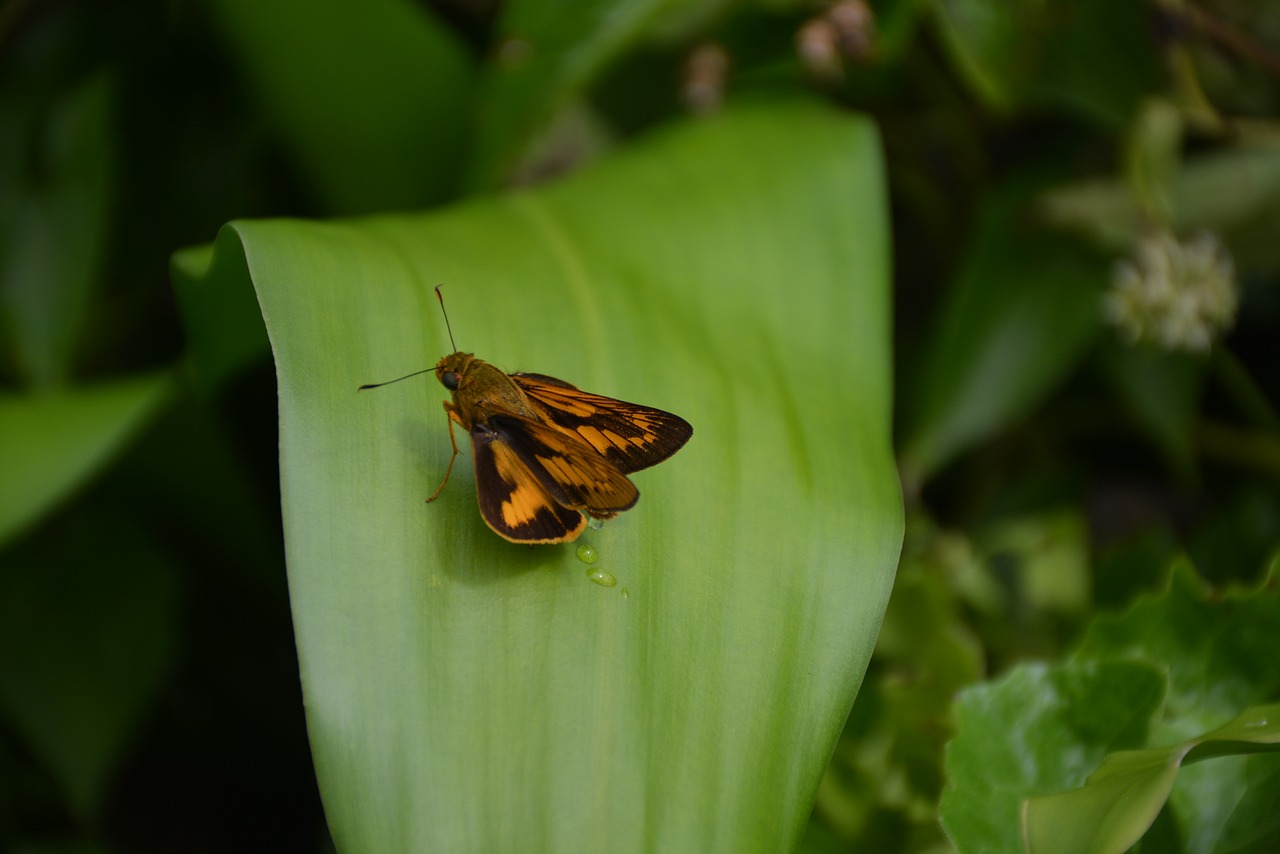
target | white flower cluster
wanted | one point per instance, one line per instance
(1178, 296)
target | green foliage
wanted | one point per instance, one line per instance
(57, 441)
(55, 226)
(1135, 691)
(990, 361)
(1202, 637)
(87, 633)
(1081, 199)
(1037, 730)
(885, 764)
(1232, 192)
(1084, 55)
(546, 56)
(1161, 392)
(1120, 800)
(342, 85)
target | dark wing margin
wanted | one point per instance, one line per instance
(513, 502)
(629, 435)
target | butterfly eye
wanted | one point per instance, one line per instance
(450, 380)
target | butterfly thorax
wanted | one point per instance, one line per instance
(481, 390)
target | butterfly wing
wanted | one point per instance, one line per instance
(629, 435)
(532, 480)
(513, 502)
(566, 467)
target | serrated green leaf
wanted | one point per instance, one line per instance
(1036, 731)
(1217, 647)
(1121, 799)
(465, 693)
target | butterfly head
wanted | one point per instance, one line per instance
(453, 368)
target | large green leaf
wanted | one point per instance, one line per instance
(465, 693)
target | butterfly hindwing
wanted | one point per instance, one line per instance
(628, 435)
(513, 502)
(566, 468)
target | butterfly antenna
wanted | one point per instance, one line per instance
(396, 380)
(440, 297)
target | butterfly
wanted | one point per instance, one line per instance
(546, 452)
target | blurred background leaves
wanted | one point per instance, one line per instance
(1056, 469)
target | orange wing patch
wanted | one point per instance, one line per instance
(513, 500)
(526, 497)
(603, 440)
(564, 473)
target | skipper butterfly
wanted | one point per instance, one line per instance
(546, 452)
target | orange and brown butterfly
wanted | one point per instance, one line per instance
(546, 452)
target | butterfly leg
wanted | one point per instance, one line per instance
(453, 416)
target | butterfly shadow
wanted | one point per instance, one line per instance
(463, 546)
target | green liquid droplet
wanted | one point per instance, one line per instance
(587, 554)
(626, 594)
(595, 524)
(604, 579)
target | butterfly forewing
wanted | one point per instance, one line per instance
(630, 436)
